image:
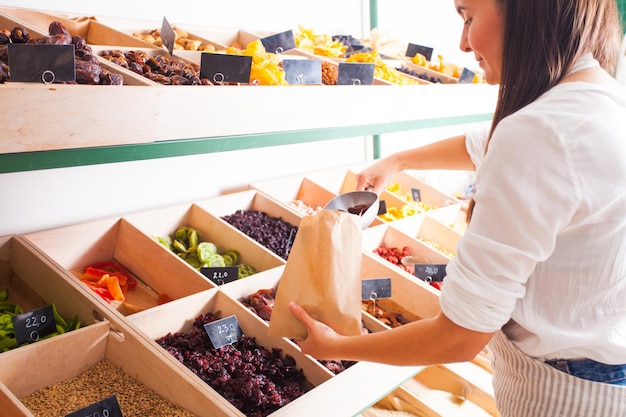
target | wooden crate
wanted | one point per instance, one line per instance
(165, 222)
(157, 270)
(179, 315)
(386, 235)
(429, 230)
(27, 370)
(228, 204)
(88, 28)
(430, 196)
(445, 78)
(33, 282)
(409, 296)
(8, 22)
(291, 190)
(454, 217)
(329, 394)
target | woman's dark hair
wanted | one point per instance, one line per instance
(544, 38)
(542, 41)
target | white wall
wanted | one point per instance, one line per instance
(38, 200)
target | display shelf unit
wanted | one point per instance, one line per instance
(49, 128)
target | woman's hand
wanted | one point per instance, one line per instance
(448, 153)
(377, 176)
(320, 337)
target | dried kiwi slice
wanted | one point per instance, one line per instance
(194, 238)
(234, 254)
(205, 250)
(216, 261)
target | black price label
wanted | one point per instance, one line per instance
(353, 49)
(303, 71)
(279, 42)
(225, 68)
(430, 272)
(109, 407)
(467, 76)
(223, 332)
(417, 195)
(375, 288)
(46, 64)
(33, 325)
(382, 207)
(168, 36)
(355, 73)
(221, 275)
(414, 49)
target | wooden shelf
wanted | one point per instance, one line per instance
(72, 125)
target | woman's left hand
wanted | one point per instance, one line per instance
(320, 337)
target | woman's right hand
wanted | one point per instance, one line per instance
(377, 176)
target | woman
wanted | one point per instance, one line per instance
(540, 273)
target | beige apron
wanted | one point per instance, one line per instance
(527, 387)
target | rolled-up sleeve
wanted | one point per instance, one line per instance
(475, 144)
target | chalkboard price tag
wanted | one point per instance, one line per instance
(279, 42)
(416, 194)
(168, 36)
(223, 332)
(353, 49)
(430, 272)
(221, 275)
(303, 71)
(414, 49)
(355, 73)
(225, 68)
(33, 325)
(467, 76)
(382, 207)
(109, 407)
(46, 64)
(375, 288)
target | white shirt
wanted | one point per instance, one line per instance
(546, 246)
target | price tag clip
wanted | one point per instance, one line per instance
(31, 326)
(375, 288)
(223, 332)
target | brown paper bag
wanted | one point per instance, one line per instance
(323, 275)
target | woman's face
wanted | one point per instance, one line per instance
(483, 34)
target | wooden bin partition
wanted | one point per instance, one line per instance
(432, 232)
(73, 247)
(430, 195)
(384, 234)
(180, 314)
(228, 204)
(165, 222)
(410, 296)
(288, 191)
(27, 370)
(33, 282)
(88, 28)
(9, 21)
